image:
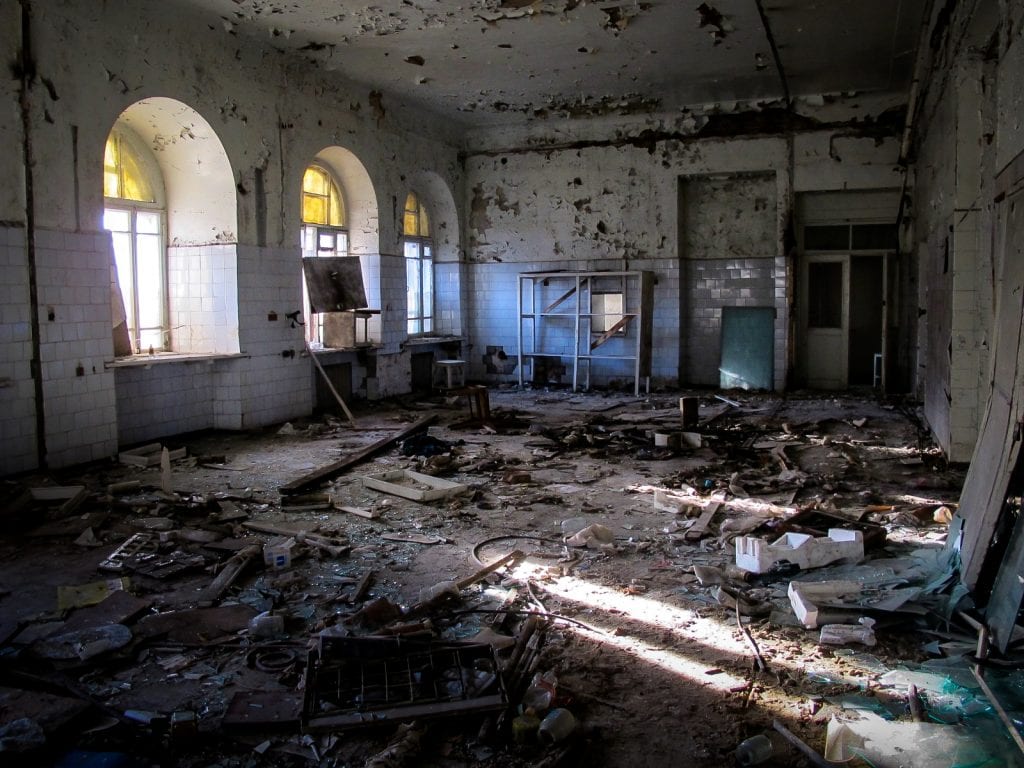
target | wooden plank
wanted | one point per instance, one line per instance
(392, 482)
(1008, 591)
(700, 525)
(369, 514)
(622, 323)
(229, 574)
(563, 297)
(330, 386)
(332, 470)
(995, 456)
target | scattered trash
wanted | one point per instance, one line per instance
(557, 725)
(150, 455)
(413, 485)
(844, 634)
(755, 750)
(801, 549)
(594, 536)
(277, 554)
(21, 735)
(83, 644)
(88, 594)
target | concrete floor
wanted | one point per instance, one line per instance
(655, 670)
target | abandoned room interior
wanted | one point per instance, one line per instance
(511, 383)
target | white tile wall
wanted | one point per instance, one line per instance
(493, 288)
(448, 298)
(17, 401)
(271, 387)
(74, 278)
(202, 288)
(716, 283)
(164, 399)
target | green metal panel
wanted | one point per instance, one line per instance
(748, 348)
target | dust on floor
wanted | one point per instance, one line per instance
(655, 665)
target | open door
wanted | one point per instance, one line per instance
(866, 321)
(826, 297)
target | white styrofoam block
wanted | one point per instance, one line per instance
(803, 550)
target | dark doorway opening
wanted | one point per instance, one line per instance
(866, 307)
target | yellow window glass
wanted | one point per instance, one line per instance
(135, 185)
(111, 176)
(123, 174)
(414, 220)
(424, 228)
(321, 200)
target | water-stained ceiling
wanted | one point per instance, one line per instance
(486, 62)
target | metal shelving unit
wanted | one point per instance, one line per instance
(556, 309)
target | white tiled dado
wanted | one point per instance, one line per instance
(73, 277)
(202, 297)
(17, 400)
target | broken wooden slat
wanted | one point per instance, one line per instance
(331, 470)
(564, 296)
(359, 593)
(413, 538)
(391, 482)
(369, 514)
(487, 570)
(700, 525)
(229, 573)
(333, 547)
(330, 385)
(622, 323)
(149, 455)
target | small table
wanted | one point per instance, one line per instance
(454, 372)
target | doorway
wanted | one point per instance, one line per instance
(866, 306)
(825, 309)
(844, 319)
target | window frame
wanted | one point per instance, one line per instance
(132, 301)
(316, 321)
(418, 251)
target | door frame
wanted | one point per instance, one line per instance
(889, 260)
(825, 257)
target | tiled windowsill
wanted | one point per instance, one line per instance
(160, 358)
(328, 351)
(421, 341)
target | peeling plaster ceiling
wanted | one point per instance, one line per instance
(493, 62)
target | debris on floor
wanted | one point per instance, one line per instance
(575, 579)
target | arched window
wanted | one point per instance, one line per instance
(419, 267)
(133, 213)
(324, 233)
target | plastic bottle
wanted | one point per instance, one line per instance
(754, 750)
(557, 726)
(524, 727)
(541, 692)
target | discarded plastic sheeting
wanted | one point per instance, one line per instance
(886, 744)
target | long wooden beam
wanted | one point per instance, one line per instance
(325, 473)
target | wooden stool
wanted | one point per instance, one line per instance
(479, 401)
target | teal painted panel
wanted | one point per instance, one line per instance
(748, 348)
